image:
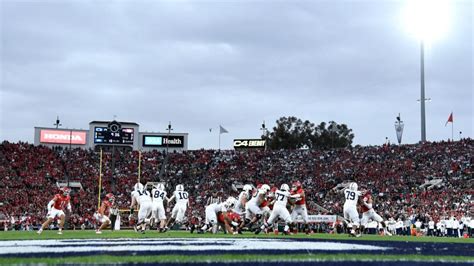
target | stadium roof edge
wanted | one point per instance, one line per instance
(121, 122)
(63, 128)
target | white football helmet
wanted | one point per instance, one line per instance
(230, 202)
(353, 186)
(247, 188)
(179, 187)
(285, 187)
(265, 187)
(138, 187)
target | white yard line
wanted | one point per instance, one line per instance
(178, 244)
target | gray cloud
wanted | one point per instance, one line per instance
(235, 63)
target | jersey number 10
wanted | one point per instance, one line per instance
(183, 195)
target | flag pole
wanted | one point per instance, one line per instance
(219, 140)
(452, 130)
(100, 178)
(139, 165)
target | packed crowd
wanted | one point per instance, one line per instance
(394, 174)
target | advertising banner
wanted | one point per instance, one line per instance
(163, 141)
(63, 136)
(249, 143)
(318, 219)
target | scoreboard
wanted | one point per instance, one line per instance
(113, 135)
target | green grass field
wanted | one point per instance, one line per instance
(173, 258)
(87, 234)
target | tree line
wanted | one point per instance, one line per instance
(294, 133)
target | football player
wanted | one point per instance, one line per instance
(253, 211)
(212, 212)
(231, 218)
(141, 199)
(368, 213)
(351, 195)
(179, 209)
(158, 195)
(55, 209)
(239, 208)
(299, 208)
(244, 197)
(279, 209)
(104, 212)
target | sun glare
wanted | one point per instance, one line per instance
(427, 20)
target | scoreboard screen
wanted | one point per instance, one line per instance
(104, 135)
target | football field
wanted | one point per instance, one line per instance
(179, 247)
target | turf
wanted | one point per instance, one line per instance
(236, 257)
(22, 235)
(176, 258)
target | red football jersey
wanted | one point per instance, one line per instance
(220, 217)
(105, 208)
(60, 201)
(367, 198)
(231, 215)
(301, 201)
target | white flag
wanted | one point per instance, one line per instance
(222, 130)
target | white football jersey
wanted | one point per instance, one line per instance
(281, 198)
(158, 195)
(181, 197)
(141, 196)
(352, 196)
(217, 207)
(256, 196)
(242, 195)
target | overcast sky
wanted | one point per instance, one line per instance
(199, 64)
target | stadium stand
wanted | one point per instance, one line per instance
(396, 175)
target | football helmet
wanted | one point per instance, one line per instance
(179, 187)
(265, 187)
(285, 187)
(160, 186)
(110, 197)
(247, 188)
(230, 202)
(353, 186)
(296, 185)
(65, 191)
(138, 187)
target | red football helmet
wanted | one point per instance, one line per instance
(65, 191)
(296, 185)
(110, 197)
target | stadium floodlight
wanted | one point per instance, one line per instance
(427, 20)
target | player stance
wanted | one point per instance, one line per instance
(55, 209)
(351, 195)
(179, 209)
(142, 200)
(104, 212)
(279, 209)
(158, 195)
(253, 210)
(368, 213)
(297, 193)
(231, 218)
(212, 213)
(239, 208)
